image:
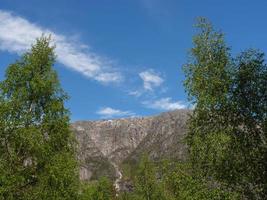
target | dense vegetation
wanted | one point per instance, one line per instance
(228, 127)
(226, 132)
(37, 155)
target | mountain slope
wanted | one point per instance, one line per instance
(105, 145)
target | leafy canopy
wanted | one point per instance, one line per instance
(227, 130)
(37, 155)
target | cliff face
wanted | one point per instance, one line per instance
(106, 144)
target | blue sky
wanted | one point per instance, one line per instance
(122, 58)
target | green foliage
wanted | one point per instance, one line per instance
(227, 130)
(147, 185)
(181, 182)
(207, 80)
(173, 180)
(37, 155)
(248, 100)
(100, 190)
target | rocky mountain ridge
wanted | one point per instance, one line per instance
(105, 145)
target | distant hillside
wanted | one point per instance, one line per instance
(106, 145)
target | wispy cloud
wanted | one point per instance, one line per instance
(135, 93)
(108, 112)
(165, 104)
(18, 34)
(151, 79)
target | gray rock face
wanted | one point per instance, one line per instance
(104, 145)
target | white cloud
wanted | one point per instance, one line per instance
(165, 104)
(150, 79)
(108, 112)
(135, 93)
(18, 34)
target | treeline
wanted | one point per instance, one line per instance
(163, 180)
(227, 130)
(168, 180)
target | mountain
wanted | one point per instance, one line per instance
(107, 146)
